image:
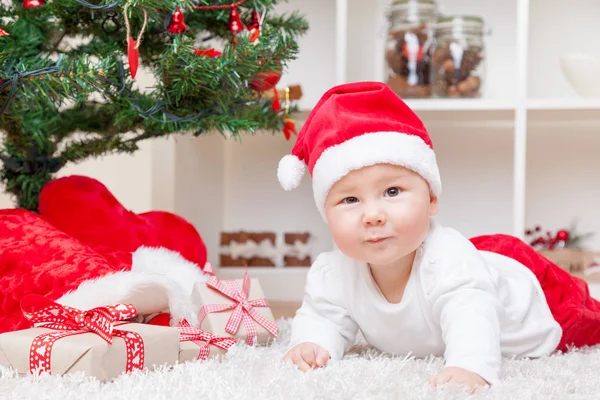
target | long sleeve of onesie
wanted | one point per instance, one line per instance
(465, 301)
(323, 319)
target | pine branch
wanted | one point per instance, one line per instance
(88, 106)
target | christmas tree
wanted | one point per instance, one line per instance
(67, 77)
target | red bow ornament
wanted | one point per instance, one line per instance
(69, 321)
(244, 310)
(203, 339)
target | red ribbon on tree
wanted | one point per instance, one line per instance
(243, 309)
(203, 339)
(69, 321)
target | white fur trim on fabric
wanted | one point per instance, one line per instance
(159, 280)
(290, 172)
(409, 151)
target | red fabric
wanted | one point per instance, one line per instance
(568, 296)
(35, 257)
(350, 110)
(82, 233)
(162, 319)
(85, 209)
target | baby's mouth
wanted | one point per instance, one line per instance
(377, 239)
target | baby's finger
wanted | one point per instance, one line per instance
(308, 355)
(322, 357)
(440, 379)
(300, 363)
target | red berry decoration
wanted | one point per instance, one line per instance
(562, 235)
(33, 3)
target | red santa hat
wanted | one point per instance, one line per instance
(353, 126)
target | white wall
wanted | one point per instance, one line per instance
(128, 177)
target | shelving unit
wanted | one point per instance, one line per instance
(523, 154)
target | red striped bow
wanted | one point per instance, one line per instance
(69, 321)
(203, 339)
(243, 309)
(208, 269)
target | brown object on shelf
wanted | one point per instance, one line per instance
(292, 260)
(571, 260)
(404, 66)
(295, 93)
(291, 238)
(458, 57)
(453, 82)
(226, 260)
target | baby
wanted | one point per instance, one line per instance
(409, 284)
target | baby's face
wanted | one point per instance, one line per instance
(380, 214)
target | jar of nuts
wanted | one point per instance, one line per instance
(408, 47)
(458, 65)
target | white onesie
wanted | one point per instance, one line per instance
(470, 306)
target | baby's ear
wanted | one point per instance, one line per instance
(433, 204)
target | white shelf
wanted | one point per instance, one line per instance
(563, 104)
(460, 105)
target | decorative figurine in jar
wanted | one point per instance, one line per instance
(458, 65)
(408, 47)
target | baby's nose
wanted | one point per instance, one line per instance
(374, 218)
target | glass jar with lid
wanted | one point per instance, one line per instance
(408, 47)
(458, 61)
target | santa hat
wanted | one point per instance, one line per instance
(353, 126)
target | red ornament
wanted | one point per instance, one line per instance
(133, 55)
(289, 128)
(177, 24)
(254, 21)
(562, 235)
(235, 21)
(33, 3)
(267, 80)
(3, 32)
(208, 53)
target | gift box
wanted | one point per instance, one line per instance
(235, 308)
(98, 342)
(571, 260)
(197, 344)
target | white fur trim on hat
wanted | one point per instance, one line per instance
(290, 171)
(409, 151)
(159, 280)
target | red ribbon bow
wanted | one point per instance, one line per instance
(243, 309)
(203, 339)
(69, 321)
(208, 269)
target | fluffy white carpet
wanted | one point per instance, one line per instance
(257, 373)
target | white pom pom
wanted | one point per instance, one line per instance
(290, 172)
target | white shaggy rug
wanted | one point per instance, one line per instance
(258, 373)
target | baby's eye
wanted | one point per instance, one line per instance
(350, 200)
(393, 191)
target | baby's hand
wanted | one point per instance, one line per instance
(307, 356)
(459, 376)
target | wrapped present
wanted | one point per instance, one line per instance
(98, 342)
(196, 344)
(225, 307)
